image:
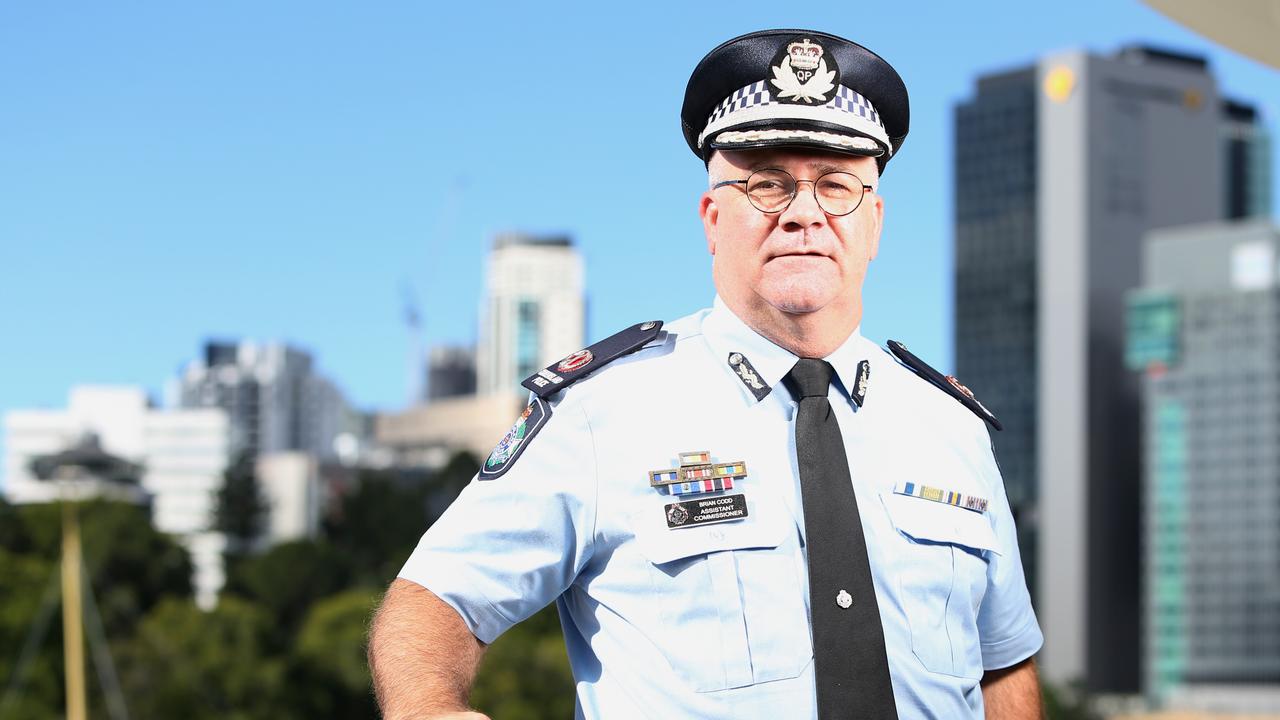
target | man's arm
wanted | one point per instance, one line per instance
(422, 655)
(1013, 693)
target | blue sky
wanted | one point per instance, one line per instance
(173, 172)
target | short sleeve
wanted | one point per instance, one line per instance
(1007, 625)
(509, 546)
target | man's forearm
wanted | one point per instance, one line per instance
(1013, 693)
(422, 655)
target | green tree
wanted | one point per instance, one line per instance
(131, 565)
(195, 665)
(131, 568)
(24, 589)
(329, 675)
(241, 510)
(378, 524)
(525, 673)
(286, 580)
(1067, 703)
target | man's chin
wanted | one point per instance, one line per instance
(798, 301)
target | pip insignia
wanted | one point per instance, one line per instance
(697, 474)
(804, 73)
(947, 384)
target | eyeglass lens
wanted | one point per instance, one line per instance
(837, 193)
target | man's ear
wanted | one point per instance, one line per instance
(877, 217)
(710, 214)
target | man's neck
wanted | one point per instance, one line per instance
(813, 335)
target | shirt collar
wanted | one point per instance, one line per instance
(726, 333)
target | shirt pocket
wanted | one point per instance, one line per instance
(731, 602)
(941, 573)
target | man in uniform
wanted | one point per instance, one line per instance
(752, 512)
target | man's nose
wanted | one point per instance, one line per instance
(803, 211)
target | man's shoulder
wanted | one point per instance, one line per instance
(924, 393)
(640, 358)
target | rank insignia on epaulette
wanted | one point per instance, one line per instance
(860, 382)
(697, 474)
(560, 375)
(516, 440)
(940, 495)
(741, 367)
(946, 383)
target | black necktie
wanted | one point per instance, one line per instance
(850, 665)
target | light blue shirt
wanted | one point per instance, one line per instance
(711, 621)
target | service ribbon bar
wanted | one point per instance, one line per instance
(946, 497)
(698, 474)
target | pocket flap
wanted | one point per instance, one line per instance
(765, 526)
(923, 519)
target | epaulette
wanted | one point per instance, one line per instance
(946, 383)
(556, 377)
(552, 380)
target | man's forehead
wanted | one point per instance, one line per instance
(792, 157)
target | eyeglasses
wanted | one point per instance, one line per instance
(771, 190)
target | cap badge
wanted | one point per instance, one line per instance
(802, 73)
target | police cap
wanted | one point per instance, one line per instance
(795, 88)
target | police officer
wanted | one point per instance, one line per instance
(753, 511)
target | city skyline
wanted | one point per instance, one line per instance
(241, 186)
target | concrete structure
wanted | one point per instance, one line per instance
(451, 372)
(1060, 169)
(534, 310)
(274, 397)
(183, 454)
(290, 482)
(425, 436)
(1205, 328)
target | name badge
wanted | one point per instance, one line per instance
(691, 513)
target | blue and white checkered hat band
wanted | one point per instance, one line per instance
(846, 109)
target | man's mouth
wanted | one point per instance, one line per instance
(799, 253)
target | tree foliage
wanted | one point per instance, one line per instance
(191, 664)
(525, 673)
(287, 638)
(241, 510)
(286, 580)
(131, 569)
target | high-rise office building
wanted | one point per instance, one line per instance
(534, 311)
(1060, 167)
(1205, 330)
(451, 372)
(273, 396)
(1246, 163)
(183, 454)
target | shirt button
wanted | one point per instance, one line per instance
(844, 599)
(717, 534)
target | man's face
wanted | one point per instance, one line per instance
(797, 261)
